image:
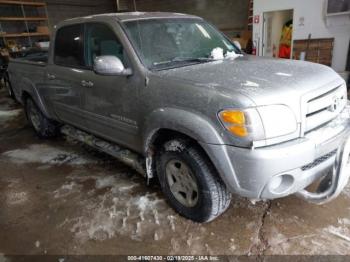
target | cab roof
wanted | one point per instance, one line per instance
(132, 16)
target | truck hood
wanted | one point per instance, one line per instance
(264, 80)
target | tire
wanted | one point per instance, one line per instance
(8, 86)
(190, 182)
(44, 127)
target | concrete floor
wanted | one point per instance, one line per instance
(58, 197)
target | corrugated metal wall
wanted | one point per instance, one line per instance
(228, 15)
(59, 10)
(225, 14)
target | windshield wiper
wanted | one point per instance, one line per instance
(184, 59)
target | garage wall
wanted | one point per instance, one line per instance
(227, 15)
(309, 18)
(59, 10)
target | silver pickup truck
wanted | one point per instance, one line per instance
(173, 97)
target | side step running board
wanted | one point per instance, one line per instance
(126, 156)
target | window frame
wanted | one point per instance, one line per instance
(126, 58)
(82, 43)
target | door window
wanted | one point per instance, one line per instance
(69, 49)
(102, 41)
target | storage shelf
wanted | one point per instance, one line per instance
(23, 35)
(9, 2)
(23, 18)
(20, 27)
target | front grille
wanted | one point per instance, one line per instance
(324, 107)
(319, 161)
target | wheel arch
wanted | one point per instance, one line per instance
(166, 124)
(31, 92)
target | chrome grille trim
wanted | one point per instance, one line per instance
(324, 107)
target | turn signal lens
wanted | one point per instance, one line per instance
(240, 131)
(235, 122)
(233, 117)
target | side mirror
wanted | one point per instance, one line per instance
(238, 44)
(110, 66)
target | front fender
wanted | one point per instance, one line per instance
(199, 128)
(194, 125)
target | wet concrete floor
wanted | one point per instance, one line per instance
(60, 197)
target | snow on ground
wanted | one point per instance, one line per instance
(121, 209)
(330, 240)
(120, 206)
(346, 191)
(16, 198)
(45, 154)
(8, 115)
(66, 190)
(121, 214)
(104, 182)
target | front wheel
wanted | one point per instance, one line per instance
(190, 181)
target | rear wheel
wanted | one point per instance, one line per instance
(190, 181)
(43, 126)
(8, 86)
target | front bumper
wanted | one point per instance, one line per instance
(288, 168)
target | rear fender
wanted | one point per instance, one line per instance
(32, 91)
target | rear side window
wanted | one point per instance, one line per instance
(69, 49)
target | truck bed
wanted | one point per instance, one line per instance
(28, 71)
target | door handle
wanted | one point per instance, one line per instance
(51, 77)
(88, 84)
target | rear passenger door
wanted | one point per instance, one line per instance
(65, 73)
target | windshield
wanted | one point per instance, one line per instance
(169, 43)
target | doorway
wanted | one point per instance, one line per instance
(278, 34)
(348, 62)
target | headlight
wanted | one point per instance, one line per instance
(245, 124)
(278, 120)
(259, 123)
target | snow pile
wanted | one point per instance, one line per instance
(45, 154)
(232, 55)
(218, 54)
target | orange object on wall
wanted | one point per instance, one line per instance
(285, 51)
(286, 40)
